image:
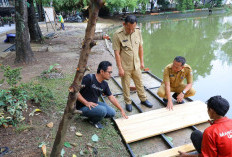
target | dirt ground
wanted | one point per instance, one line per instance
(63, 49)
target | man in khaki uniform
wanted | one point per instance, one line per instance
(127, 45)
(173, 81)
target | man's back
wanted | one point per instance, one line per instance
(217, 139)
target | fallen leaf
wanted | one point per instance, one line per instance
(62, 152)
(95, 138)
(22, 119)
(89, 145)
(78, 134)
(38, 110)
(73, 128)
(44, 150)
(74, 155)
(73, 144)
(67, 144)
(81, 153)
(33, 112)
(50, 125)
(41, 144)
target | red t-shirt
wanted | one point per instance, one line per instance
(217, 139)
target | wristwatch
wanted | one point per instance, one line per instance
(184, 92)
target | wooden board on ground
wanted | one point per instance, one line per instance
(174, 151)
(156, 122)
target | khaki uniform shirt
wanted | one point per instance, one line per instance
(176, 79)
(128, 46)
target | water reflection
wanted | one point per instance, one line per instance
(206, 42)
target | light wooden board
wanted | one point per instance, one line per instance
(156, 122)
(173, 152)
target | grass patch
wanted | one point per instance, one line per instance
(59, 88)
(22, 127)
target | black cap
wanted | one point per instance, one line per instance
(219, 105)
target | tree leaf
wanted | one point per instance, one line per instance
(67, 144)
(95, 138)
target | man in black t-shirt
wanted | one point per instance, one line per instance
(94, 86)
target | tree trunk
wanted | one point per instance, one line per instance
(34, 29)
(40, 10)
(94, 7)
(24, 53)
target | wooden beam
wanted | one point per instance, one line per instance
(173, 152)
(156, 122)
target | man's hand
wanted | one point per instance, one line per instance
(121, 72)
(91, 105)
(124, 114)
(182, 154)
(180, 97)
(170, 105)
(142, 66)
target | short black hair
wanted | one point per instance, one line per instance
(219, 105)
(103, 66)
(180, 59)
(131, 19)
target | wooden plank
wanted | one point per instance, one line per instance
(173, 152)
(156, 122)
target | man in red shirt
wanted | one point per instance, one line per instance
(216, 141)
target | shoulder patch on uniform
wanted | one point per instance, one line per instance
(119, 30)
(187, 66)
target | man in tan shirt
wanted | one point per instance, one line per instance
(128, 48)
(173, 81)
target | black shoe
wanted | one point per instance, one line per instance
(165, 101)
(146, 103)
(129, 107)
(182, 102)
(175, 97)
(97, 125)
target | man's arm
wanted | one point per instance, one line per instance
(182, 154)
(168, 94)
(119, 63)
(141, 56)
(114, 101)
(85, 102)
(180, 97)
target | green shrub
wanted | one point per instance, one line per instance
(13, 100)
(12, 75)
(12, 105)
(39, 94)
(185, 5)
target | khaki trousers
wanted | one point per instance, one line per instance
(161, 91)
(137, 78)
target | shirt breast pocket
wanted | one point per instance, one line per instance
(172, 79)
(125, 46)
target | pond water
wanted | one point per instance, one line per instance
(205, 42)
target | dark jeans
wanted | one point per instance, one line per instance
(96, 114)
(196, 138)
(62, 25)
